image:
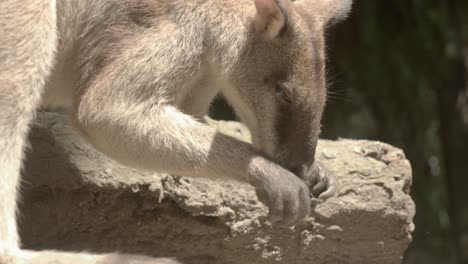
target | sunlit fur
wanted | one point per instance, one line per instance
(138, 75)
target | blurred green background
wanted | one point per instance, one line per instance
(398, 73)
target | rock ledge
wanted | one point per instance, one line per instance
(77, 199)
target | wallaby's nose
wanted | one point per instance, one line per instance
(299, 160)
(298, 163)
(296, 170)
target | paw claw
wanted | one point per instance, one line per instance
(330, 192)
(321, 182)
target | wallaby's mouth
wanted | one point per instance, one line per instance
(298, 170)
(296, 163)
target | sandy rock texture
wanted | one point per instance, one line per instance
(77, 199)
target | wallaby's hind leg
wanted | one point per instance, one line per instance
(27, 46)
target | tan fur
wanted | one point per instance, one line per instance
(138, 76)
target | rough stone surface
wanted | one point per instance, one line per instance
(77, 199)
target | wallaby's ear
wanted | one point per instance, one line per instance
(328, 11)
(272, 16)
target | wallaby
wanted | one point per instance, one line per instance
(139, 75)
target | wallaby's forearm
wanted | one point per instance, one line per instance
(169, 141)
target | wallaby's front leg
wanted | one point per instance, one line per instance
(160, 138)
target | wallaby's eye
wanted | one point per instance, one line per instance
(283, 92)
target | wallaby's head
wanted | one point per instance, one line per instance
(281, 77)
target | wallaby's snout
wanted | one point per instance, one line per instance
(297, 138)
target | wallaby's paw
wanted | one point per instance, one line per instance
(285, 195)
(321, 181)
